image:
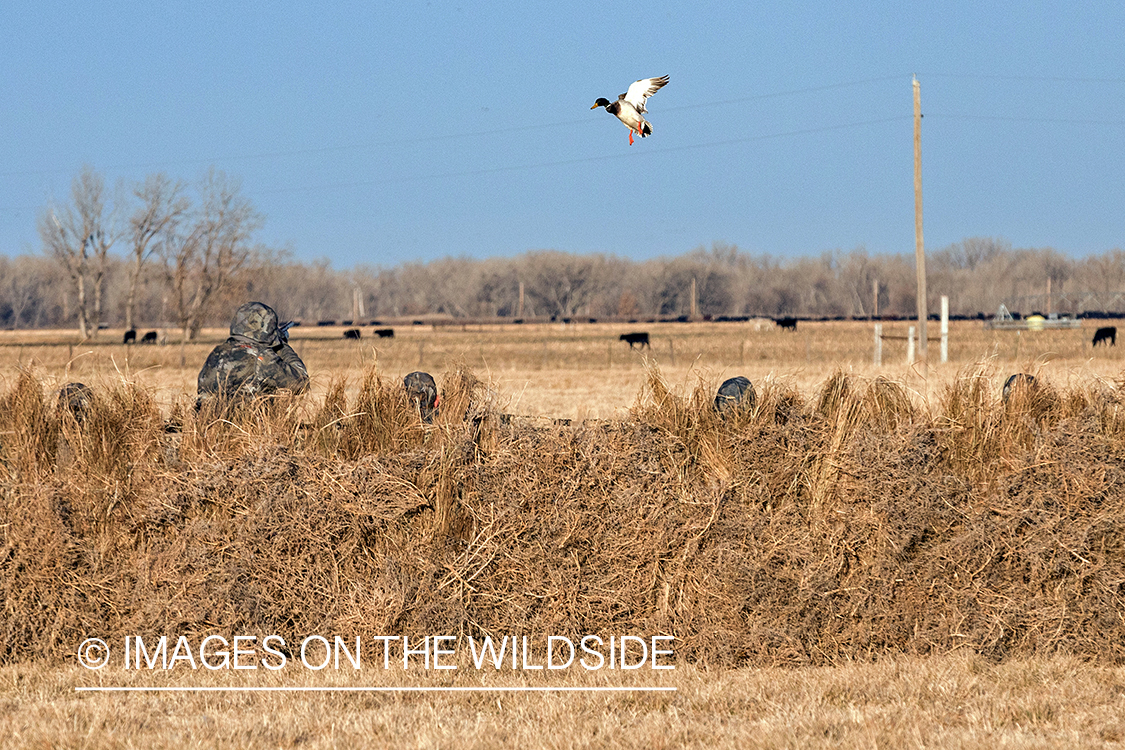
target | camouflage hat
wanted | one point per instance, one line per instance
(256, 321)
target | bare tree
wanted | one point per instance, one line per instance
(201, 263)
(79, 236)
(560, 283)
(162, 207)
(19, 290)
(1103, 273)
(972, 252)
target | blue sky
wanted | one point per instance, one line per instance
(369, 134)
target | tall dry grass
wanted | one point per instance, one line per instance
(856, 524)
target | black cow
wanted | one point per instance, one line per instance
(788, 323)
(352, 333)
(385, 333)
(1107, 335)
(149, 338)
(636, 338)
(130, 337)
(734, 395)
(1019, 380)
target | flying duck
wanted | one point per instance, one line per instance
(630, 106)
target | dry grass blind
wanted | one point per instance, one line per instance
(852, 526)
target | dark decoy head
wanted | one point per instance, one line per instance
(734, 395)
(423, 394)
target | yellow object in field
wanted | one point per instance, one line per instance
(1035, 322)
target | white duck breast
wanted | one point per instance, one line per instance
(630, 106)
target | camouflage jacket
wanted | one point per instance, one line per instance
(255, 360)
(242, 367)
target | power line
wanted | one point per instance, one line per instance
(588, 159)
(1032, 79)
(589, 121)
(446, 136)
(586, 121)
(1003, 118)
(791, 92)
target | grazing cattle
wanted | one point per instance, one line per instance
(385, 333)
(636, 338)
(352, 333)
(423, 394)
(734, 395)
(787, 323)
(149, 338)
(1021, 380)
(1107, 335)
(130, 337)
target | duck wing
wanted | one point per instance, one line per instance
(641, 90)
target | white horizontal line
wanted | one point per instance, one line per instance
(124, 689)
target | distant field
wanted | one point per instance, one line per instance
(583, 370)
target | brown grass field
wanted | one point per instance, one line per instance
(953, 701)
(862, 559)
(582, 370)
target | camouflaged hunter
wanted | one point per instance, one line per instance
(255, 360)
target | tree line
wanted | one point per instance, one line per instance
(166, 253)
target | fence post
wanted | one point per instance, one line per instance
(910, 345)
(878, 344)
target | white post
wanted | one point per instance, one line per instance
(878, 344)
(944, 329)
(910, 345)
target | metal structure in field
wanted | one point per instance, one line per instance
(1005, 321)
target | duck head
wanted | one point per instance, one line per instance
(601, 102)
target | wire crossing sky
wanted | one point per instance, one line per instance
(378, 135)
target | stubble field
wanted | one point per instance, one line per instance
(866, 558)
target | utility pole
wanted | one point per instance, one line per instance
(694, 301)
(919, 248)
